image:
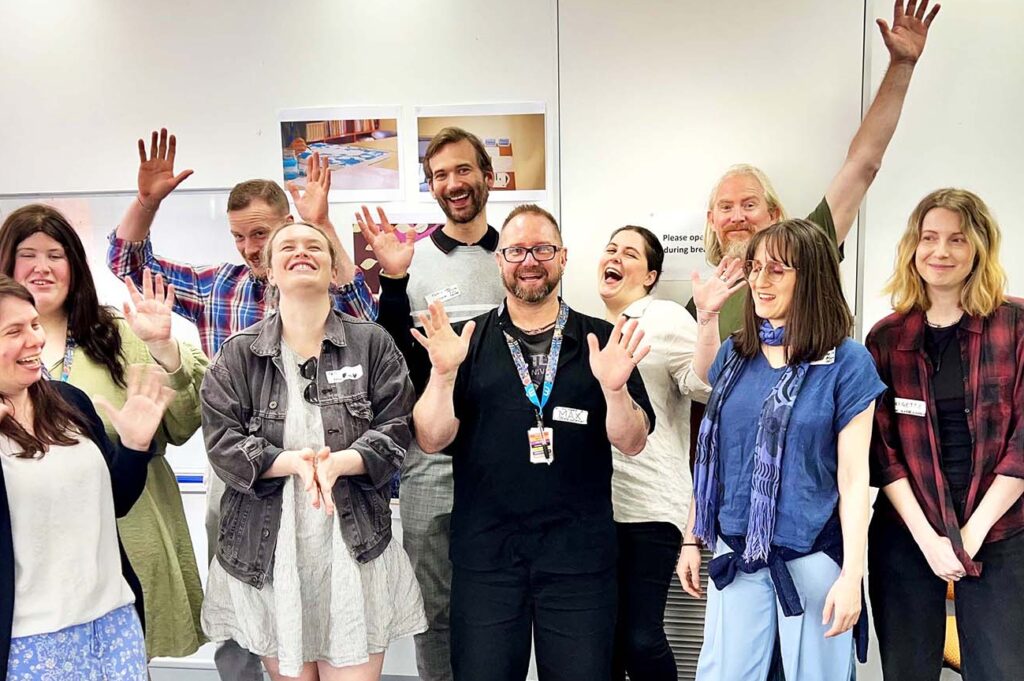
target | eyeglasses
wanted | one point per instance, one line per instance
(308, 370)
(541, 253)
(773, 269)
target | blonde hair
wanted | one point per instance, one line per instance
(273, 295)
(712, 247)
(985, 287)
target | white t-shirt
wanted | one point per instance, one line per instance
(67, 568)
(655, 485)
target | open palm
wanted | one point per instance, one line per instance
(393, 254)
(150, 319)
(613, 364)
(146, 398)
(446, 348)
(905, 40)
(156, 170)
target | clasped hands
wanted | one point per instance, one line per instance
(319, 470)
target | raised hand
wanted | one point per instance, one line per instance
(312, 205)
(156, 171)
(147, 397)
(613, 364)
(446, 348)
(728, 278)
(150, 319)
(905, 41)
(393, 254)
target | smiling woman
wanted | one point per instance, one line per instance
(65, 585)
(306, 417)
(90, 346)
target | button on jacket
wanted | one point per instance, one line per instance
(905, 445)
(366, 401)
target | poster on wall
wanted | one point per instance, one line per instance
(424, 223)
(682, 236)
(361, 146)
(514, 135)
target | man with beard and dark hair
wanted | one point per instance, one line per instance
(533, 543)
(455, 266)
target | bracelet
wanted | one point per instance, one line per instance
(700, 311)
(144, 206)
(692, 543)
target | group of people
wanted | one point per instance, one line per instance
(547, 497)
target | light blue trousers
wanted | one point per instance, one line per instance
(742, 620)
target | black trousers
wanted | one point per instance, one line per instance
(647, 559)
(909, 606)
(571, 617)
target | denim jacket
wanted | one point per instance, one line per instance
(366, 401)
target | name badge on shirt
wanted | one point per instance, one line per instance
(345, 374)
(910, 407)
(829, 358)
(542, 445)
(444, 295)
(567, 415)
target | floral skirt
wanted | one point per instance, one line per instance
(110, 648)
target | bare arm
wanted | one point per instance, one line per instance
(156, 180)
(625, 422)
(843, 603)
(905, 42)
(1003, 494)
(433, 417)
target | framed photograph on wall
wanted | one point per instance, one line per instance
(361, 144)
(514, 135)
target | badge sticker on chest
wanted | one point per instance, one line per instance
(351, 373)
(569, 415)
(542, 445)
(910, 407)
(444, 295)
(829, 358)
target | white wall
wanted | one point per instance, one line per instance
(961, 128)
(659, 98)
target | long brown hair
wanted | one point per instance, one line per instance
(54, 421)
(818, 318)
(93, 326)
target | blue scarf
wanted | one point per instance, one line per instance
(769, 447)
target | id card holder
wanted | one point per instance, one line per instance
(542, 445)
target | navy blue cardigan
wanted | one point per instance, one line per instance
(128, 478)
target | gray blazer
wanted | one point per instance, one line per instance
(366, 402)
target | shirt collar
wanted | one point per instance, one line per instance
(446, 244)
(637, 308)
(268, 342)
(912, 333)
(505, 321)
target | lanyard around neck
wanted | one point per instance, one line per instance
(549, 372)
(69, 357)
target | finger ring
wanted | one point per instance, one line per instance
(723, 277)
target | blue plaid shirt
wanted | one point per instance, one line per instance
(220, 299)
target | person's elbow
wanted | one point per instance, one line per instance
(634, 443)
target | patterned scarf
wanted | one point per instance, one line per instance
(769, 446)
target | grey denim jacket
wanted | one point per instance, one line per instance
(366, 401)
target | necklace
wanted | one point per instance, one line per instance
(938, 325)
(534, 332)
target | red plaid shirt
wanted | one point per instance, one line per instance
(907, 446)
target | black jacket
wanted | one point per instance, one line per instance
(128, 478)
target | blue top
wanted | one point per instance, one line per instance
(832, 394)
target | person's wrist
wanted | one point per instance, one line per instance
(396, 274)
(150, 204)
(136, 444)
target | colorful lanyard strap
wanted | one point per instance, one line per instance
(549, 373)
(69, 357)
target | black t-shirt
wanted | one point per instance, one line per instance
(535, 350)
(943, 350)
(558, 516)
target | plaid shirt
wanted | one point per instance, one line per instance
(220, 299)
(907, 446)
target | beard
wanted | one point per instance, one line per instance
(537, 292)
(735, 248)
(478, 193)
